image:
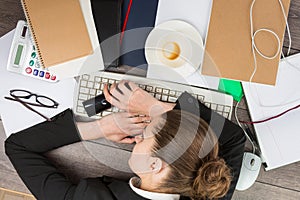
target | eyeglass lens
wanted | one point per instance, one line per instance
(45, 101)
(20, 93)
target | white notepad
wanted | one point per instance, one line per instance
(278, 138)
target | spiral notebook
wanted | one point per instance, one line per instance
(59, 30)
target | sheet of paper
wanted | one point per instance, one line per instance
(278, 138)
(14, 115)
(195, 12)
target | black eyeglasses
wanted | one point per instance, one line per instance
(41, 101)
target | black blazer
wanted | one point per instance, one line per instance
(26, 149)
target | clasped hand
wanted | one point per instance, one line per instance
(122, 127)
(129, 97)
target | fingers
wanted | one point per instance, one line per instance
(107, 94)
(136, 118)
(124, 87)
(110, 97)
(127, 140)
(132, 85)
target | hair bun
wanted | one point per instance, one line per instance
(213, 180)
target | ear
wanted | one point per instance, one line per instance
(155, 164)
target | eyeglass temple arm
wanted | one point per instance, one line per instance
(33, 104)
(24, 104)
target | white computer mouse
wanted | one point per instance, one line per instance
(249, 171)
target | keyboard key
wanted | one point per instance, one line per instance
(104, 80)
(213, 106)
(207, 104)
(158, 90)
(85, 77)
(102, 87)
(84, 90)
(166, 92)
(164, 98)
(225, 114)
(200, 98)
(97, 79)
(92, 92)
(83, 96)
(142, 86)
(227, 109)
(149, 88)
(111, 81)
(178, 93)
(80, 109)
(97, 85)
(220, 108)
(172, 93)
(98, 92)
(79, 102)
(172, 99)
(158, 96)
(83, 83)
(90, 84)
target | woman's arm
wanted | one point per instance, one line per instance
(115, 127)
(26, 149)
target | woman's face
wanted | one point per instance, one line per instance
(140, 158)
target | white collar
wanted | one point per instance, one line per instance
(151, 195)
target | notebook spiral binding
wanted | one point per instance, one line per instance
(32, 34)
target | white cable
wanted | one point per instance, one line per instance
(238, 121)
(253, 35)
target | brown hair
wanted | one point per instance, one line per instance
(190, 148)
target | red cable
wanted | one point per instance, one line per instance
(125, 21)
(270, 118)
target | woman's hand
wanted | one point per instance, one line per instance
(127, 96)
(116, 127)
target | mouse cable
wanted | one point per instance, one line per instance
(254, 147)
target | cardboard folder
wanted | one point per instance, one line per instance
(228, 43)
